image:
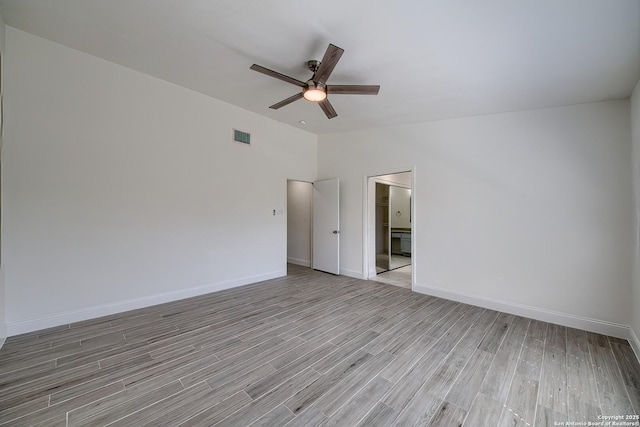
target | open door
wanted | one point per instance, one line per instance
(326, 226)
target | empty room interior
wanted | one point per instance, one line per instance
(450, 237)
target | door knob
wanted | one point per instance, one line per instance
(336, 232)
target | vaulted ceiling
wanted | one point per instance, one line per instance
(433, 59)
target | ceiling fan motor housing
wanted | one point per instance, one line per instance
(313, 65)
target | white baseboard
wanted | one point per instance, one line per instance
(24, 326)
(356, 274)
(564, 319)
(298, 261)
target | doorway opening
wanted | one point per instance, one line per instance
(390, 235)
(299, 222)
(313, 224)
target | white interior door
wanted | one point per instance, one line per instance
(326, 226)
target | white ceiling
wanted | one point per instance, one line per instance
(433, 59)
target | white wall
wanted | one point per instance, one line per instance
(527, 211)
(400, 204)
(122, 190)
(635, 135)
(3, 317)
(299, 222)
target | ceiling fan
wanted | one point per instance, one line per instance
(316, 88)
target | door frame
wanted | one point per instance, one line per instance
(368, 222)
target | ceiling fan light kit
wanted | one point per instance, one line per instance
(316, 88)
(315, 92)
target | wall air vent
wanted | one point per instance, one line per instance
(243, 137)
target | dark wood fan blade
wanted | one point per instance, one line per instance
(287, 101)
(328, 109)
(328, 63)
(277, 75)
(353, 89)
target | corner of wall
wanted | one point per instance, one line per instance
(635, 286)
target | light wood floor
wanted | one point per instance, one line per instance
(314, 349)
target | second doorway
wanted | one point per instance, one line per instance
(393, 229)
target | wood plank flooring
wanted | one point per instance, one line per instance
(314, 349)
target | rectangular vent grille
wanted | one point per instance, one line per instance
(243, 137)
